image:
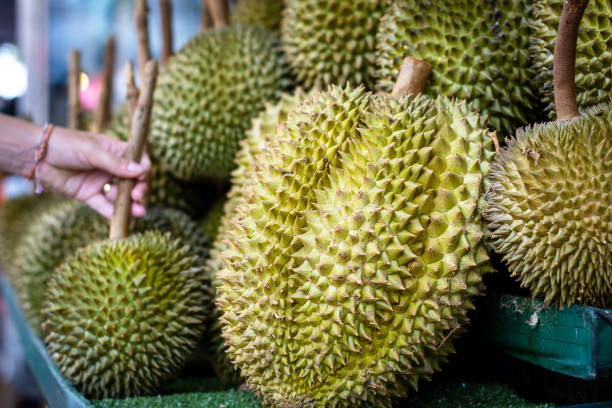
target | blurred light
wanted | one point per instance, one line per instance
(13, 73)
(84, 79)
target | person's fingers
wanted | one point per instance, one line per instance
(100, 204)
(139, 191)
(145, 162)
(110, 144)
(111, 194)
(115, 165)
(138, 210)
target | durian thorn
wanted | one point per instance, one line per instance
(165, 9)
(74, 75)
(141, 16)
(102, 114)
(564, 64)
(219, 11)
(412, 77)
(206, 17)
(138, 135)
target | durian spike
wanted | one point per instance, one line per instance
(219, 10)
(138, 134)
(74, 83)
(165, 9)
(141, 15)
(564, 65)
(412, 77)
(103, 111)
(207, 22)
(132, 90)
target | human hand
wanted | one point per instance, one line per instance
(79, 165)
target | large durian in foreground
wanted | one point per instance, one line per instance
(207, 95)
(115, 326)
(593, 52)
(356, 250)
(260, 134)
(479, 51)
(263, 13)
(332, 41)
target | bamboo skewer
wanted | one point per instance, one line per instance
(102, 114)
(206, 18)
(165, 8)
(74, 84)
(142, 28)
(219, 11)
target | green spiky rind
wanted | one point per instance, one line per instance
(593, 52)
(209, 224)
(122, 316)
(549, 208)
(207, 95)
(356, 251)
(263, 129)
(164, 189)
(479, 52)
(263, 13)
(332, 41)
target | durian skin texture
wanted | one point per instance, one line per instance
(207, 95)
(122, 317)
(593, 52)
(549, 208)
(332, 41)
(356, 250)
(263, 13)
(479, 51)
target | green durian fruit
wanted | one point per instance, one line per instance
(332, 41)
(263, 129)
(549, 208)
(209, 224)
(122, 317)
(356, 249)
(263, 13)
(593, 52)
(479, 51)
(207, 95)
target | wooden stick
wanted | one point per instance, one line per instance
(412, 77)
(142, 28)
(138, 134)
(106, 94)
(165, 8)
(219, 10)
(206, 19)
(132, 90)
(74, 85)
(564, 64)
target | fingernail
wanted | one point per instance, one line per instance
(134, 167)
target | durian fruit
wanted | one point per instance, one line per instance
(115, 324)
(479, 51)
(209, 224)
(207, 95)
(263, 129)
(356, 250)
(549, 205)
(263, 13)
(332, 41)
(593, 52)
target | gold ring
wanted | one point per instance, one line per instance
(106, 188)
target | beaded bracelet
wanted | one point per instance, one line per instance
(39, 155)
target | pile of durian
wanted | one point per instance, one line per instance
(329, 180)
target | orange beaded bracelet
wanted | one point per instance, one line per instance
(39, 155)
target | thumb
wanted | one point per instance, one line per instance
(117, 166)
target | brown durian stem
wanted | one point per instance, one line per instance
(219, 10)
(142, 28)
(165, 8)
(103, 111)
(564, 65)
(412, 77)
(74, 84)
(207, 22)
(138, 134)
(132, 90)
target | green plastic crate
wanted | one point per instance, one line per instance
(576, 340)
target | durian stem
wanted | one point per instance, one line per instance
(412, 77)
(219, 11)
(207, 22)
(564, 65)
(142, 28)
(132, 90)
(74, 83)
(103, 111)
(165, 8)
(139, 129)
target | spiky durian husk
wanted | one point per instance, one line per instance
(593, 52)
(478, 49)
(332, 41)
(122, 316)
(263, 13)
(549, 208)
(356, 250)
(207, 95)
(263, 129)
(209, 224)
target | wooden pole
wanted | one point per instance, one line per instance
(102, 114)
(219, 11)
(165, 8)
(412, 77)
(74, 84)
(142, 28)
(139, 129)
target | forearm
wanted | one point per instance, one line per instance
(18, 140)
